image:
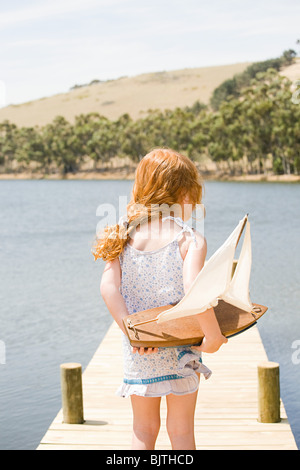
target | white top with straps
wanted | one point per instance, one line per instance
(151, 279)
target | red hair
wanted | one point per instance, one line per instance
(163, 176)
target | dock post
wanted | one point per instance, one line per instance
(268, 392)
(71, 391)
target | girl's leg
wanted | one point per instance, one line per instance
(180, 420)
(146, 422)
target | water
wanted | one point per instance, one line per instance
(51, 310)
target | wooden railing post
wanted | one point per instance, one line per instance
(71, 391)
(268, 392)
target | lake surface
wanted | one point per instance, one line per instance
(51, 310)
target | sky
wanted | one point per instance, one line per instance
(50, 45)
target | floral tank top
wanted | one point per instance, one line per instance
(152, 279)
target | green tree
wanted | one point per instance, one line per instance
(103, 143)
(233, 86)
(59, 145)
(288, 57)
(30, 147)
(8, 143)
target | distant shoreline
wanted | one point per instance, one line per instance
(124, 174)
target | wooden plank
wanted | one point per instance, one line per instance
(118, 437)
(227, 409)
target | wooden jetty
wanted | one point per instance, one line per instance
(227, 410)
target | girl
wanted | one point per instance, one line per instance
(152, 259)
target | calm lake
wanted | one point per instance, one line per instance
(51, 311)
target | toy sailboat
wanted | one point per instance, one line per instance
(221, 284)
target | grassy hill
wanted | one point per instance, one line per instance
(292, 71)
(77, 150)
(132, 95)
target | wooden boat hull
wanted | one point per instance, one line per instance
(186, 331)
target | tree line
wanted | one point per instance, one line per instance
(234, 86)
(254, 131)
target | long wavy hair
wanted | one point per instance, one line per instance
(163, 179)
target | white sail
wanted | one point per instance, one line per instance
(237, 293)
(212, 282)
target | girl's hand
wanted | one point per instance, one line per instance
(142, 351)
(211, 345)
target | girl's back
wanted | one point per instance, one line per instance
(152, 264)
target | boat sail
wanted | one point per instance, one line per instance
(213, 287)
(214, 280)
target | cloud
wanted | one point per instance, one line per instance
(47, 9)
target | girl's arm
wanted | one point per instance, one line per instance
(110, 291)
(192, 265)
